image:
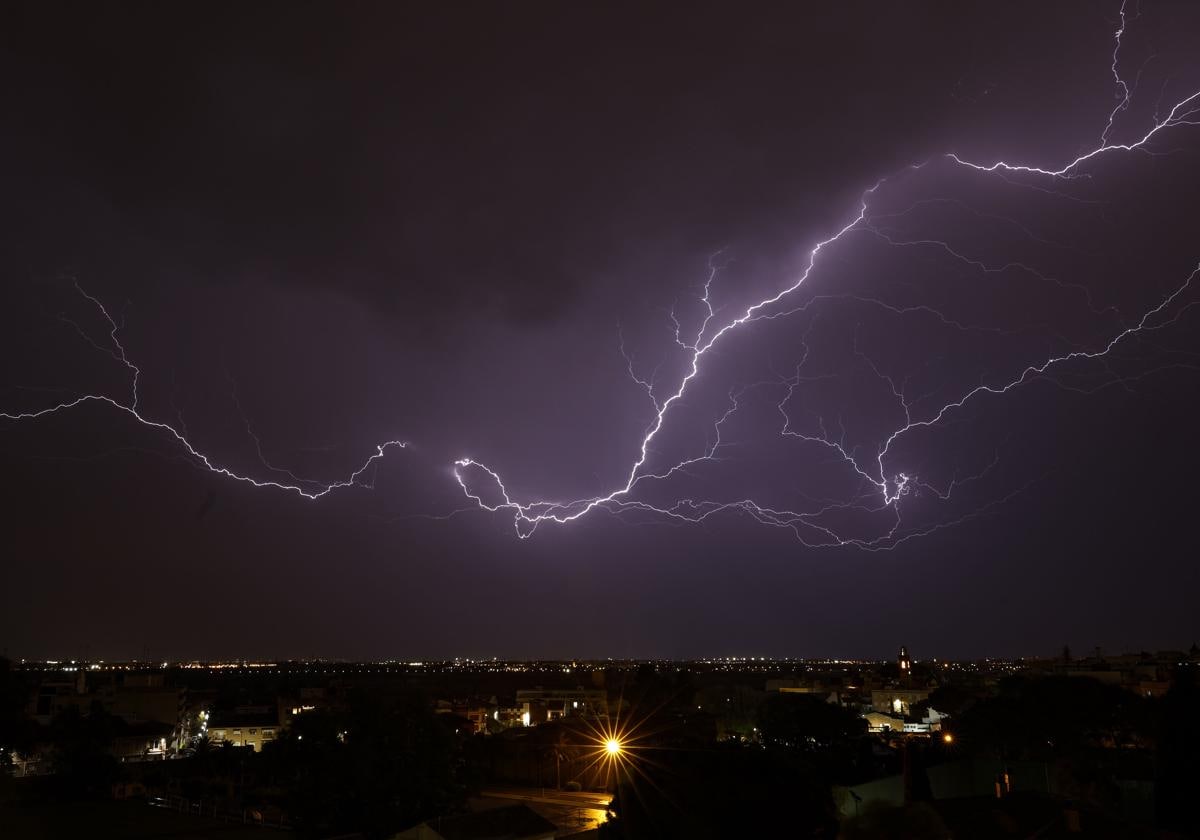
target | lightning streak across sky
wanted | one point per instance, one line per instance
(302, 487)
(880, 487)
(885, 490)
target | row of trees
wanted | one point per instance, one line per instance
(380, 767)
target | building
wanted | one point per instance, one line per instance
(142, 740)
(58, 693)
(477, 712)
(135, 698)
(143, 698)
(305, 699)
(539, 705)
(897, 701)
(880, 722)
(244, 726)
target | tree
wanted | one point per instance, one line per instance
(1178, 745)
(1053, 717)
(380, 768)
(730, 790)
(807, 722)
(83, 762)
(17, 732)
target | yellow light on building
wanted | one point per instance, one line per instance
(612, 746)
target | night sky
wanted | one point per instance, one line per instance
(321, 227)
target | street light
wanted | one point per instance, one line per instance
(613, 747)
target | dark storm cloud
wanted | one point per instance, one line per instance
(431, 160)
(426, 221)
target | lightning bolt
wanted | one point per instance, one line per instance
(881, 491)
(878, 489)
(305, 488)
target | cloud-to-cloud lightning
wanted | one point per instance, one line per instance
(302, 487)
(886, 490)
(881, 483)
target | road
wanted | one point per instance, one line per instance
(570, 811)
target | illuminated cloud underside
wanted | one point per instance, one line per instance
(889, 488)
(886, 486)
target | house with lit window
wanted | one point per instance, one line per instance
(244, 726)
(897, 701)
(539, 705)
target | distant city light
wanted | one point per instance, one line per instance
(948, 738)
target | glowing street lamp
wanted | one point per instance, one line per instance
(616, 750)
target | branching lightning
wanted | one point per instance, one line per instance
(178, 432)
(882, 491)
(881, 485)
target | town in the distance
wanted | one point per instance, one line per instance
(1078, 742)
